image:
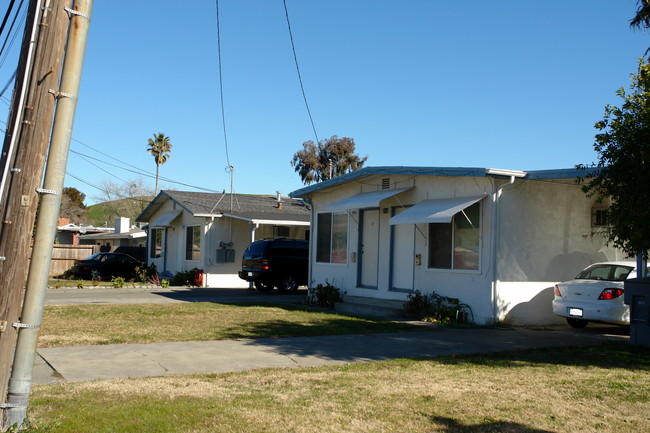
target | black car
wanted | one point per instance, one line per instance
(105, 266)
(281, 263)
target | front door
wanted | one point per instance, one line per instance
(402, 261)
(368, 247)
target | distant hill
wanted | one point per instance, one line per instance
(104, 214)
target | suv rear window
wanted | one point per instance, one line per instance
(258, 248)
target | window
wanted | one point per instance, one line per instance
(155, 243)
(599, 218)
(332, 238)
(456, 245)
(193, 243)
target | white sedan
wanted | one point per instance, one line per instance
(595, 295)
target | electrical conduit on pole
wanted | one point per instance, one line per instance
(20, 382)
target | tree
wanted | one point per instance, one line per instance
(72, 205)
(328, 159)
(641, 20)
(623, 169)
(159, 147)
(119, 200)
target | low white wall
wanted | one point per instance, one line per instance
(226, 281)
(526, 303)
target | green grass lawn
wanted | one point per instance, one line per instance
(594, 389)
(76, 325)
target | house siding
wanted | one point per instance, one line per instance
(533, 234)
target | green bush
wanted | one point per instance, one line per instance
(433, 308)
(182, 278)
(118, 282)
(324, 295)
(145, 273)
(164, 283)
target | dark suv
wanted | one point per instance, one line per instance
(280, 263)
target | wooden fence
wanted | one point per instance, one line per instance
(63, 256)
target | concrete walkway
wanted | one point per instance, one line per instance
(78, 364)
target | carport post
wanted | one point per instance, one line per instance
(641, 266)
(20, 383)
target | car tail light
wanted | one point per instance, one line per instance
(607, 294)
(265, 264)
(556, 292)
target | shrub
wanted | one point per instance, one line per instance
(324, 295)
(433, 308)
(182, 278)
(144, 273)
(80, 284)
(164, 283)
(118, 282)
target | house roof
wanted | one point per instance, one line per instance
(254, 208)
(565, 173)
(131, 234)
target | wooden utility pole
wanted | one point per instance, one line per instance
(24, 158)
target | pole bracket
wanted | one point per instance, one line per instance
(11, 405)
(59, 95)
(19, 325)
(47, 191)
(75, 12)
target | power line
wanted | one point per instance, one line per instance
(295, 58)
(223, 112)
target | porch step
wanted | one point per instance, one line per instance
(370, 307)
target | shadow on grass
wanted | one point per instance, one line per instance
(452, 426)
(481, 346)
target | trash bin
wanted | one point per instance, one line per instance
(637, 296)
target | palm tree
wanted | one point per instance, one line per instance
(159, 147)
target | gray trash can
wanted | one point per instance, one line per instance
(637, 296)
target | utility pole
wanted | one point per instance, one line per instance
(23, 159)
(20, 383)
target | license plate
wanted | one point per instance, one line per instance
(250, 274)
(575, 312)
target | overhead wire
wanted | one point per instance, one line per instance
(295, 58)
(12, 34)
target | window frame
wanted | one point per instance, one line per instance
(452, 233)
(192, 247)
(155, 243)
(336, 251)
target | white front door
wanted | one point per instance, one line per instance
(403, 255)
(369, 248)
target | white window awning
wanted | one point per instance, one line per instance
(364, 200)
(165, 219)
(434, 211)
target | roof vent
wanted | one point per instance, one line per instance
(385, 183)
(278, 198)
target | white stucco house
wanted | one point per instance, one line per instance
(498, 240)
(210, 231)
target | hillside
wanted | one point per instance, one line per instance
(104, 214)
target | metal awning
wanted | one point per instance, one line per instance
(434, 211)
(166, 219)
(364, 200)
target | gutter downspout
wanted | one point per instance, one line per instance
(495, 242)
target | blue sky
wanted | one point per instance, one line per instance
(503, 84)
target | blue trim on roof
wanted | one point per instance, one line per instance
(389, 170)
(562, 173)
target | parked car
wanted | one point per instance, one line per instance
(281, 263)
(595, 295)
(106, 266)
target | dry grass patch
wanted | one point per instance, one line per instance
(605, 388)
(76, 325)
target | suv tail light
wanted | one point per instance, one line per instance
(607, 294)
(265, 264)
(556, 292)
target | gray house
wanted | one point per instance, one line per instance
(210, 231)
(498, 240)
